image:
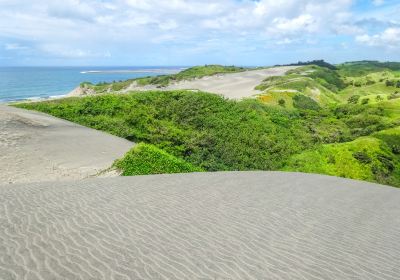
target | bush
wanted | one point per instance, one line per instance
(146, 159)
(353, 99)
(282, 102)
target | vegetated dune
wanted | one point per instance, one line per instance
(229, 225)
(38, 147)
(233, 85)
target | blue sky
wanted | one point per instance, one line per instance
(193, 32)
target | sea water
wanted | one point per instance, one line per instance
(21, 83)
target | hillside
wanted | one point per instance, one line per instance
(204, 131)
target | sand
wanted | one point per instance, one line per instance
(233, 225)
(234, 86)
(36, 147)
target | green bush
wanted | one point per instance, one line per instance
(353, 99)
(146, 159)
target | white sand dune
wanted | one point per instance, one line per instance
(234, 85)
(37, 147)
(234, 225)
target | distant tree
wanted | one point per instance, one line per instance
(353, 99)
(379, 98)
(282, 102)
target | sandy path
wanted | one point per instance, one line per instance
(37, 147)
(234, 86)
(234, 225)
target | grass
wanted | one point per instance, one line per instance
(146, 159)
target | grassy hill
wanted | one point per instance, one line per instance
(339, 120)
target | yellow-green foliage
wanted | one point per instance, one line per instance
(366, 158)
(315, 82)
(146, 159)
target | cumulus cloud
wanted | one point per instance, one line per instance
(389, 38)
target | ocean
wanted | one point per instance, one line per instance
(21, 83)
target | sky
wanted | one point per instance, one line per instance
(195, 32)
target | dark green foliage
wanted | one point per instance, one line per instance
(282, 102)
(146, 159)
(354, 99)
(305, 103)
(320, 63)
(364, 101)
(362, 157)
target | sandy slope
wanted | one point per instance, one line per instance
(234, 225)
(38, 147)
(234, 86)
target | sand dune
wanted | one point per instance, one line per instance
(37, 147)
(234, 225)
(234, 86)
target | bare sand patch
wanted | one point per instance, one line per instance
(233, 85)
(37, 147)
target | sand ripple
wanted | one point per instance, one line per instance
(249, 225)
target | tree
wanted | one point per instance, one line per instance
(282, 102)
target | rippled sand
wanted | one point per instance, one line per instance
(233, 225)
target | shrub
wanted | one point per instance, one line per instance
(353, 99)
(146, 159)
(282, 102)
(365, 101)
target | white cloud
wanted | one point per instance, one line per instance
(305, 23)
(389, 38)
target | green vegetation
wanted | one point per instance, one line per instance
(203, 129)
(342, 120)
(146, 159)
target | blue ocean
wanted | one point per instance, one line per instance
(20, 83)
